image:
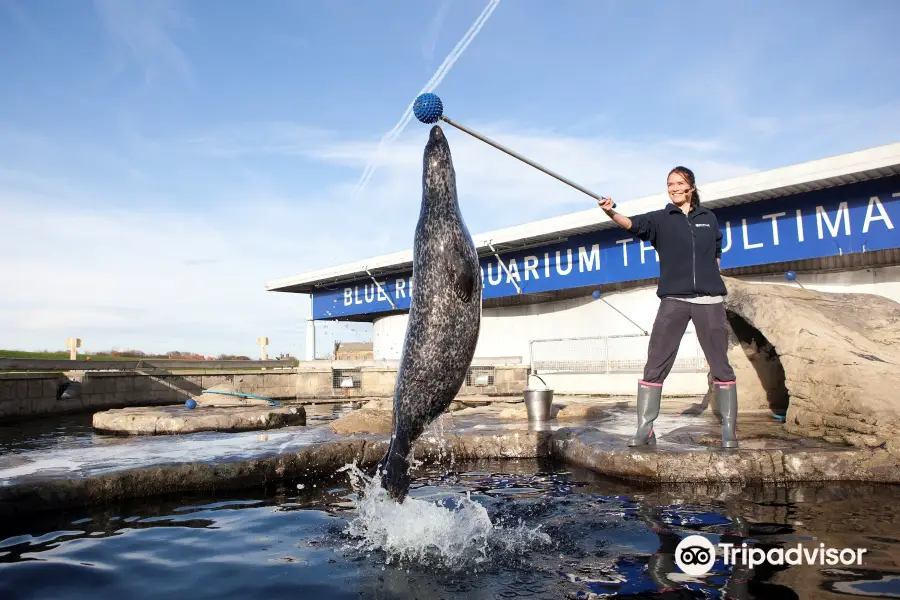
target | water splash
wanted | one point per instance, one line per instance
(444, 449)
(452, 531)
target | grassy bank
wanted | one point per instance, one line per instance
(64, 355)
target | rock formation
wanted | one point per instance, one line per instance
(834, 356)
(168, 420)
(376, 416)
(756, 366)
(364, 420)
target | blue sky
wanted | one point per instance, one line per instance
(160, 161)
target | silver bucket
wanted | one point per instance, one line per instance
(538, 404)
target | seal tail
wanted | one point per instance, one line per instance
(394, 472)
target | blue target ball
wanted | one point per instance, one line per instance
(596, 294)
(190, 404)
(428, 108)
(790, 276)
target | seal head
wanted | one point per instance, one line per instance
(444, 314)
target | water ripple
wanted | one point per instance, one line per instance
(489, 529)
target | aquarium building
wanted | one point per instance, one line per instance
(833, 222)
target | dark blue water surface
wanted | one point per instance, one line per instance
(607, 539)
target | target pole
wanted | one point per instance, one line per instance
(429, 109)
(522, 158)
(644, 331)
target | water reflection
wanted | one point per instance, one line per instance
(609, 539)
(63, 431)
(68, 431)
(69, 447)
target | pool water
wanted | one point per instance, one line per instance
(74, 431)
(489, 529)
(67, 445)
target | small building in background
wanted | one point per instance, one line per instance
(353, 351)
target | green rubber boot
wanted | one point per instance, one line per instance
(648, 399)
(726, 399)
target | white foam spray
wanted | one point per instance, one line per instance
(432, 84)
(453, 534)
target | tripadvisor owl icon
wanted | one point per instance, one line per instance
(695, 555)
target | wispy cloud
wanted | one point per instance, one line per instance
(144, 28)
(498, 190)
(432, 84)
(113, 272)
(139, 276)
(179, 271)
(188, 278)
(429, 41)
(495, 189)
(267, 138)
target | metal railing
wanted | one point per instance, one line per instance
(609, 355)
(346, 379)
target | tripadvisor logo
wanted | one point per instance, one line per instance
(695, 555)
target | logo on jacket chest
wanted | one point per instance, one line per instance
(701, 224)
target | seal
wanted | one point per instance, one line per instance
(444, 315)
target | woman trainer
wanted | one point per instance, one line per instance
(687, 239)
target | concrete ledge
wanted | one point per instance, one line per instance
(601, 452)
(583, 446)
(311, 464)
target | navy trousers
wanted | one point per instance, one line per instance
(672, 320)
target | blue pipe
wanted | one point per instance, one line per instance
(243, 395)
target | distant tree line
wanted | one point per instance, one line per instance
(178, 354)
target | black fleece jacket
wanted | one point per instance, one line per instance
(688, 246)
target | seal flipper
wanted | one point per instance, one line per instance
(463, 279)
(395, 478)
(393, 471)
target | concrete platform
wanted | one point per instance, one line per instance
(167, 420)
(688, 452)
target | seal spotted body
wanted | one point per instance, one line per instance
(444, 314)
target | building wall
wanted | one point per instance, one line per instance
(353, 355)
(844, 220)
(508, 331)
(26, 395)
